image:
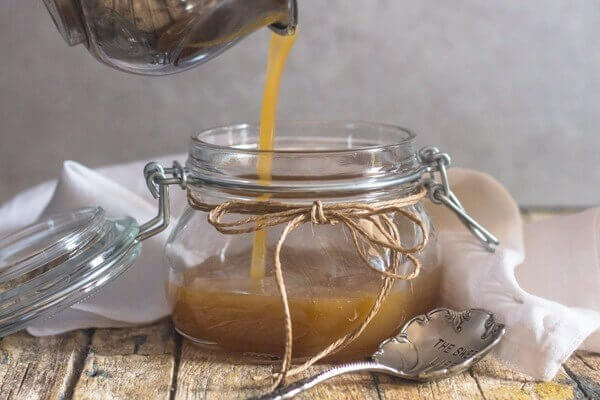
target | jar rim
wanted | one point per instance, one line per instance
(403, 136)
(310, 158)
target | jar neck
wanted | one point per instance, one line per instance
(214, 195)
(321, 160)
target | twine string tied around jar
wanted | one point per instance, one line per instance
(371, 227)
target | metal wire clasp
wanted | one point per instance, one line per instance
(440, 193)
(158, 179)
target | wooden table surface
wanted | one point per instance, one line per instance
(152, 361)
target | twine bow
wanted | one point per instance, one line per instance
(371, 226)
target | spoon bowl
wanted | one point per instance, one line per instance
(440, 343)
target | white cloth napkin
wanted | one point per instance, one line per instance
(138, 295)
(548, 300)
(540, 282)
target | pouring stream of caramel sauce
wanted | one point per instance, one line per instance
(279, 49)
(217, 305)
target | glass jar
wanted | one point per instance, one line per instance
(221, 286)
(221, 302)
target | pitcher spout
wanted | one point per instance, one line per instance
(289, 24)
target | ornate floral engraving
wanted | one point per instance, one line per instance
(491, 328)
(458, 318)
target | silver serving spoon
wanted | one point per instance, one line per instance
(431, 346)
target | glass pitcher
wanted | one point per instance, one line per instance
(160, 37)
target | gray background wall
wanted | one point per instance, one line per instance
(509, 87)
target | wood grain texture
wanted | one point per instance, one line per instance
(351, 387)
(148, 363)
(462, 386)
(498, 382)
(135, 363)
(205, 375)
(584, 368)
(41, 368)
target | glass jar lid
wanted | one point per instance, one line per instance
(51, 265)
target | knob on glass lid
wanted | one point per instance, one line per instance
(54, 264)
(159, 37)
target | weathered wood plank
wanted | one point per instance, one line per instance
(497, 382)
(206, 375)
(350, 387)
(460, 387)
(134, 363)
(584, 368)
(41, 368)
(138, 363)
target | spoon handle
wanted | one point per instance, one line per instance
(294, 389)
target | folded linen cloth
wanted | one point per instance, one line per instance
(547, 299)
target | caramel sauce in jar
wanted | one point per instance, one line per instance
(222, 287)
(229, 299)
(233, 315)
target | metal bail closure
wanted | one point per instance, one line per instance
(51, 265)
(158, 180)
(440, 193)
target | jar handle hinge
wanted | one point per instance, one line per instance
(440, 193)
(158, 179)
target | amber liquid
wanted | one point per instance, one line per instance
(279, 49)
(223, 310)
